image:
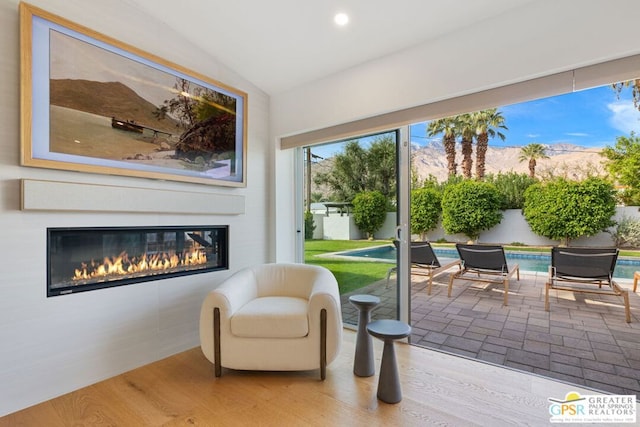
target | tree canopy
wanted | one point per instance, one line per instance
(623, 163)
(564, 210)
(357, 169)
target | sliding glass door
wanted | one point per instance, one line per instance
(352, 215)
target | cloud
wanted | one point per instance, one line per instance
(624, 117)
(533, 135)
(580, 134)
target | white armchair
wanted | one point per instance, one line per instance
(273, 317)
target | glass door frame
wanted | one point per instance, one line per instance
(403, 232)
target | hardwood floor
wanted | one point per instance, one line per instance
(181, 390)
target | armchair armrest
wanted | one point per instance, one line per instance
(233, 293)
(325, 295)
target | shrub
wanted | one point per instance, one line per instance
(425, 210)
(564, 210)
(369, 211)
(511, 186)
(309, 225)
(627, 233)
(470, 207)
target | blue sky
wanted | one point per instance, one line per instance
(591, 118)
(588, 118)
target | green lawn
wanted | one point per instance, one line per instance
(351, 275)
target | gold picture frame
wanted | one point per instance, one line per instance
(90, 103)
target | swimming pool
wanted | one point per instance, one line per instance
(526, 261)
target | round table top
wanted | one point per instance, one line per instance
(364, 300)
(389, 329)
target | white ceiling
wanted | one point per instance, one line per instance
(281, 44)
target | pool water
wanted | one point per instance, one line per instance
(527, 261)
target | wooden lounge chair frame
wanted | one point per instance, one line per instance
(424, 262)
(481, 263)
(585, 266)
(636, 277)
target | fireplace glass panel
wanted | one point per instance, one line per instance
(82, 259)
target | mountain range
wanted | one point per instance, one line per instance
(570, 161)
(567, 160)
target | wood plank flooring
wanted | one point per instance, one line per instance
(182, 391)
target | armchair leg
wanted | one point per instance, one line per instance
(216, 342)
(323, 344)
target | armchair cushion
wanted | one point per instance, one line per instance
(271, 317)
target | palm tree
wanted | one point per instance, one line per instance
(446, 127)
(635, 90)
(487, 123)
(466, 129)
(532, 152)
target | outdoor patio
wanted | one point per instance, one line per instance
(583, 340)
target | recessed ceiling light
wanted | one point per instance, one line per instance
(341, 19)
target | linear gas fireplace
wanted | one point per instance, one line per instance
(84, 259)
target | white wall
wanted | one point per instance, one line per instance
(50, 346)
(514, 229)
(336, 227)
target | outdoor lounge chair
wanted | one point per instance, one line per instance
(424, 262)
(481, 263)
(578, 269)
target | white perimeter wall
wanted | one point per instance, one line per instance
(50, 346)
(541, 38)
(512, 229)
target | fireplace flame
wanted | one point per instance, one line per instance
(122, 265)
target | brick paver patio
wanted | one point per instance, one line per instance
(583, 340)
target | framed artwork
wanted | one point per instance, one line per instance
(93, 104)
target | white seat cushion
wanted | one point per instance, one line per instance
(271, 317)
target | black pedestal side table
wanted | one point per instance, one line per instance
(363, 365)
(388, 330)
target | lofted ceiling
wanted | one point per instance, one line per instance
(281, 44)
